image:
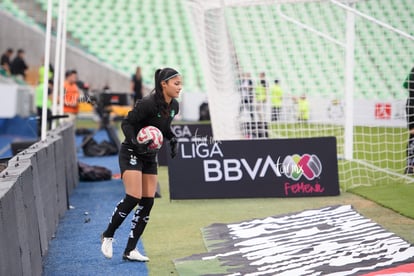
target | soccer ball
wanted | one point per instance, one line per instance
(150, 132)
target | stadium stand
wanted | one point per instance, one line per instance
(143, 27)
(147, 33)
(10, 6)
(141, 33)
(276, 41)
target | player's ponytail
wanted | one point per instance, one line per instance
(160, 76)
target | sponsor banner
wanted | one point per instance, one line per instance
(383, 111)
(255, 168)
(366, 112)
(185, 133)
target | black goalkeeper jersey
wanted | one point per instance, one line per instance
(146, 113)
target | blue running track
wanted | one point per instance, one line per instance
(76, 248)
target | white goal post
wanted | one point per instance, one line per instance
(339, 66)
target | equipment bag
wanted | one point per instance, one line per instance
(91, 148)
(93, 173)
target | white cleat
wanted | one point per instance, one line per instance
(135, 256)
(106, 247)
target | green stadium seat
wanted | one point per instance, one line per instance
(138, 29)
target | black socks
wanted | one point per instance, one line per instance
(139, 221)
(121, 211)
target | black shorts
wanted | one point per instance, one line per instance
(130, 160)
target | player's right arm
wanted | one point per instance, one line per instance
(135, 119)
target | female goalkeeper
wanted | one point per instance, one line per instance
(138, 163)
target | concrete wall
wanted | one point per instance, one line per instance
(16, 34)
(34, 191)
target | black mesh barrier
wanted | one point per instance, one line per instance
(34, 191)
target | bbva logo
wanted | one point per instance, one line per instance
(295, 166)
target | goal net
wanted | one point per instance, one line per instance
(308, 68)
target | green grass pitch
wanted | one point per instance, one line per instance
(175, 227)
(174, 231)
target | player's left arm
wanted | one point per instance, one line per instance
(170, 135)
(175, 108)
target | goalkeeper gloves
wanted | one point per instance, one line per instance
(144, 147)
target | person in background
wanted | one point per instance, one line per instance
(136, 85)
(276, 100)
(246, 89)
(72, 95)
(204, 112)
(106, 88)
(261, 97)
(409, 109)
(303, 108)
(18, 66)
(5, 60)
(39, 102)
(41, 72)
